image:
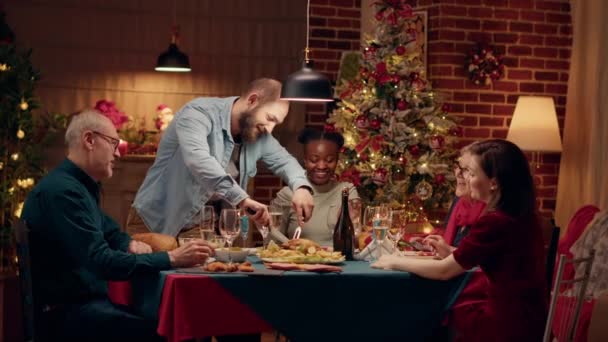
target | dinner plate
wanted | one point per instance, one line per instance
(418, 255)
(305, 261)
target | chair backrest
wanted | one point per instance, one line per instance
(25, 277)
(551, 255)
(570, 306)
(550, 241)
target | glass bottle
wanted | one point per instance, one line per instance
(344, 232)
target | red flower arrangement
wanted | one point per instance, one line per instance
(484, 65)
(108, 108)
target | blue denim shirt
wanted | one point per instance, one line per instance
(190, 166)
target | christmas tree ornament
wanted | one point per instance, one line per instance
(437, 142)
(424, 190)
(15, 156)
(439, 178)
(379, 176)
(374, 124)
(398, 174)
(20, 134)
(329, 128)
(4, 67)
(414, 150)
(23, 105)
(361, 122)
(401, 105)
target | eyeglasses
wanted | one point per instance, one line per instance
(113, 141)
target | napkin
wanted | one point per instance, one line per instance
(371, 252)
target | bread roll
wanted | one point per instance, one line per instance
(158, 242)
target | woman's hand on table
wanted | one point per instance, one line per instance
(138, 247)
(438, 243)
(190, 254)
(387, 262)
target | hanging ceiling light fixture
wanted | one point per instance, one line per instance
(306, 84)
(173, 60)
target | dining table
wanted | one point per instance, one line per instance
(359, 303)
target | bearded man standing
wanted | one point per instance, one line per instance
(209, 152)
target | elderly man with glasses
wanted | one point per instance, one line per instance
(75, 247)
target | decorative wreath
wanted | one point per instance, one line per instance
(484, 65)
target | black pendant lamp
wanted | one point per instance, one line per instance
(307, 85)
(173, 60)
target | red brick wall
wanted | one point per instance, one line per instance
(534, 35)
(335, 26)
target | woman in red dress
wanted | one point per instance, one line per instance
(506, 242)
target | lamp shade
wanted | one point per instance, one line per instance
(173, 60)
(534, 125)
(307, 85)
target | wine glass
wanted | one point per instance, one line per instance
(217, 241)
(398, 224)
(230, 226)
(354, 210)
(207, 225)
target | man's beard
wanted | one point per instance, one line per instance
(249, 130)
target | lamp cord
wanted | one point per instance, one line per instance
(174, 27)
(306, 50)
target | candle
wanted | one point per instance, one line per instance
(123, 147)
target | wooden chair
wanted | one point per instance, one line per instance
(25, 279)
(569, 316)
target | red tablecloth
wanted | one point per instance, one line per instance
(120, 292)
(188, 299)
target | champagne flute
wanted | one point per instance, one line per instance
(230, 227)
(244, 219)
(398, 226)
(264, 231)
(275, 219)
(354, 210)
(381, 218)
(207, 225)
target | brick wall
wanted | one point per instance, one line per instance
(335, 26)
(534, 35)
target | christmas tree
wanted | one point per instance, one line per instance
(398, 134)
(23, 136)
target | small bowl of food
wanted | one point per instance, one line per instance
(234, 254)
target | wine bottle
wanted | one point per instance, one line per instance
(344, 232)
